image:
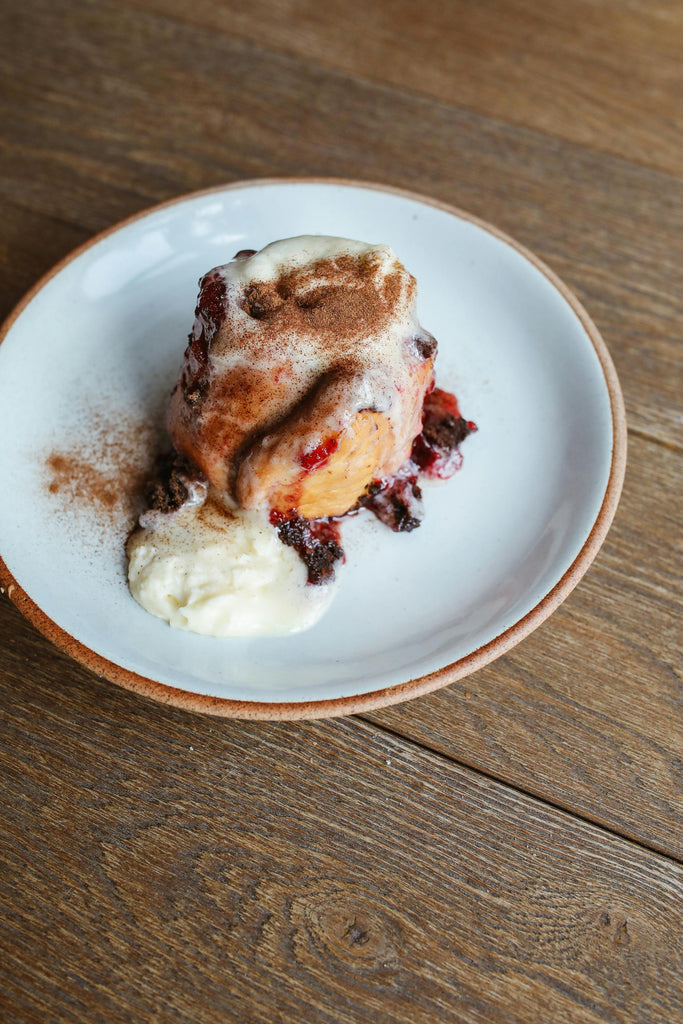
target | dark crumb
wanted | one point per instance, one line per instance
(425, 345)
(436, 449)
(397, 502)
(168, 490)
(446, 433)
(316, 541)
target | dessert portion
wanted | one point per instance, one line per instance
(306, 394)
(305, 375)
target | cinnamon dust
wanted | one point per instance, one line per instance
(72, 475)
(356, 302)
(103, 474)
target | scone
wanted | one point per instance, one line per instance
(305, 376)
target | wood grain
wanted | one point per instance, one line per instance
(148, 129)
(160, 866)
(603, 73)
(30, 245)
(587, 711)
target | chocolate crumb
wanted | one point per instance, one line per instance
(447, 432)
(436, 449)
(316, 541)
(396, 502)
(168, 490)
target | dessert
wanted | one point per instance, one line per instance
(305, 375)
(306, 394)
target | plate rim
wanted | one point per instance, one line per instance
(373, 699)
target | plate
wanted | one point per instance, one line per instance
(89, 357)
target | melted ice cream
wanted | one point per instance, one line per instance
(218, 574)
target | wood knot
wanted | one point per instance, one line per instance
(623, 931)
(348, 931)
(355, 933)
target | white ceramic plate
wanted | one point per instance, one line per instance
(100, 341)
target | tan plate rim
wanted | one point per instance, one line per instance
(278, 711)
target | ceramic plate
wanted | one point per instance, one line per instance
(86, 365)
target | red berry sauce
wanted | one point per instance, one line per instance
(319, 456)
(397, 501)
(436, 450)
(209, 315)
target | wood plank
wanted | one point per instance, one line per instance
(603, 73)
(587, 711)
(30, 244)
(158, 865)
(145, 130)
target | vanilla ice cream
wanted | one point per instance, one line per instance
(220, 574)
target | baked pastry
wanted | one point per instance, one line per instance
(305, 376)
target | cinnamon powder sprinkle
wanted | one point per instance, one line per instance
(341, 298)
(105, 474)
(73, 477)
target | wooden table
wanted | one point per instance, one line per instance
(506, 848)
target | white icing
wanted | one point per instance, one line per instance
(309, 353)
(210, 572)
(278, 257)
